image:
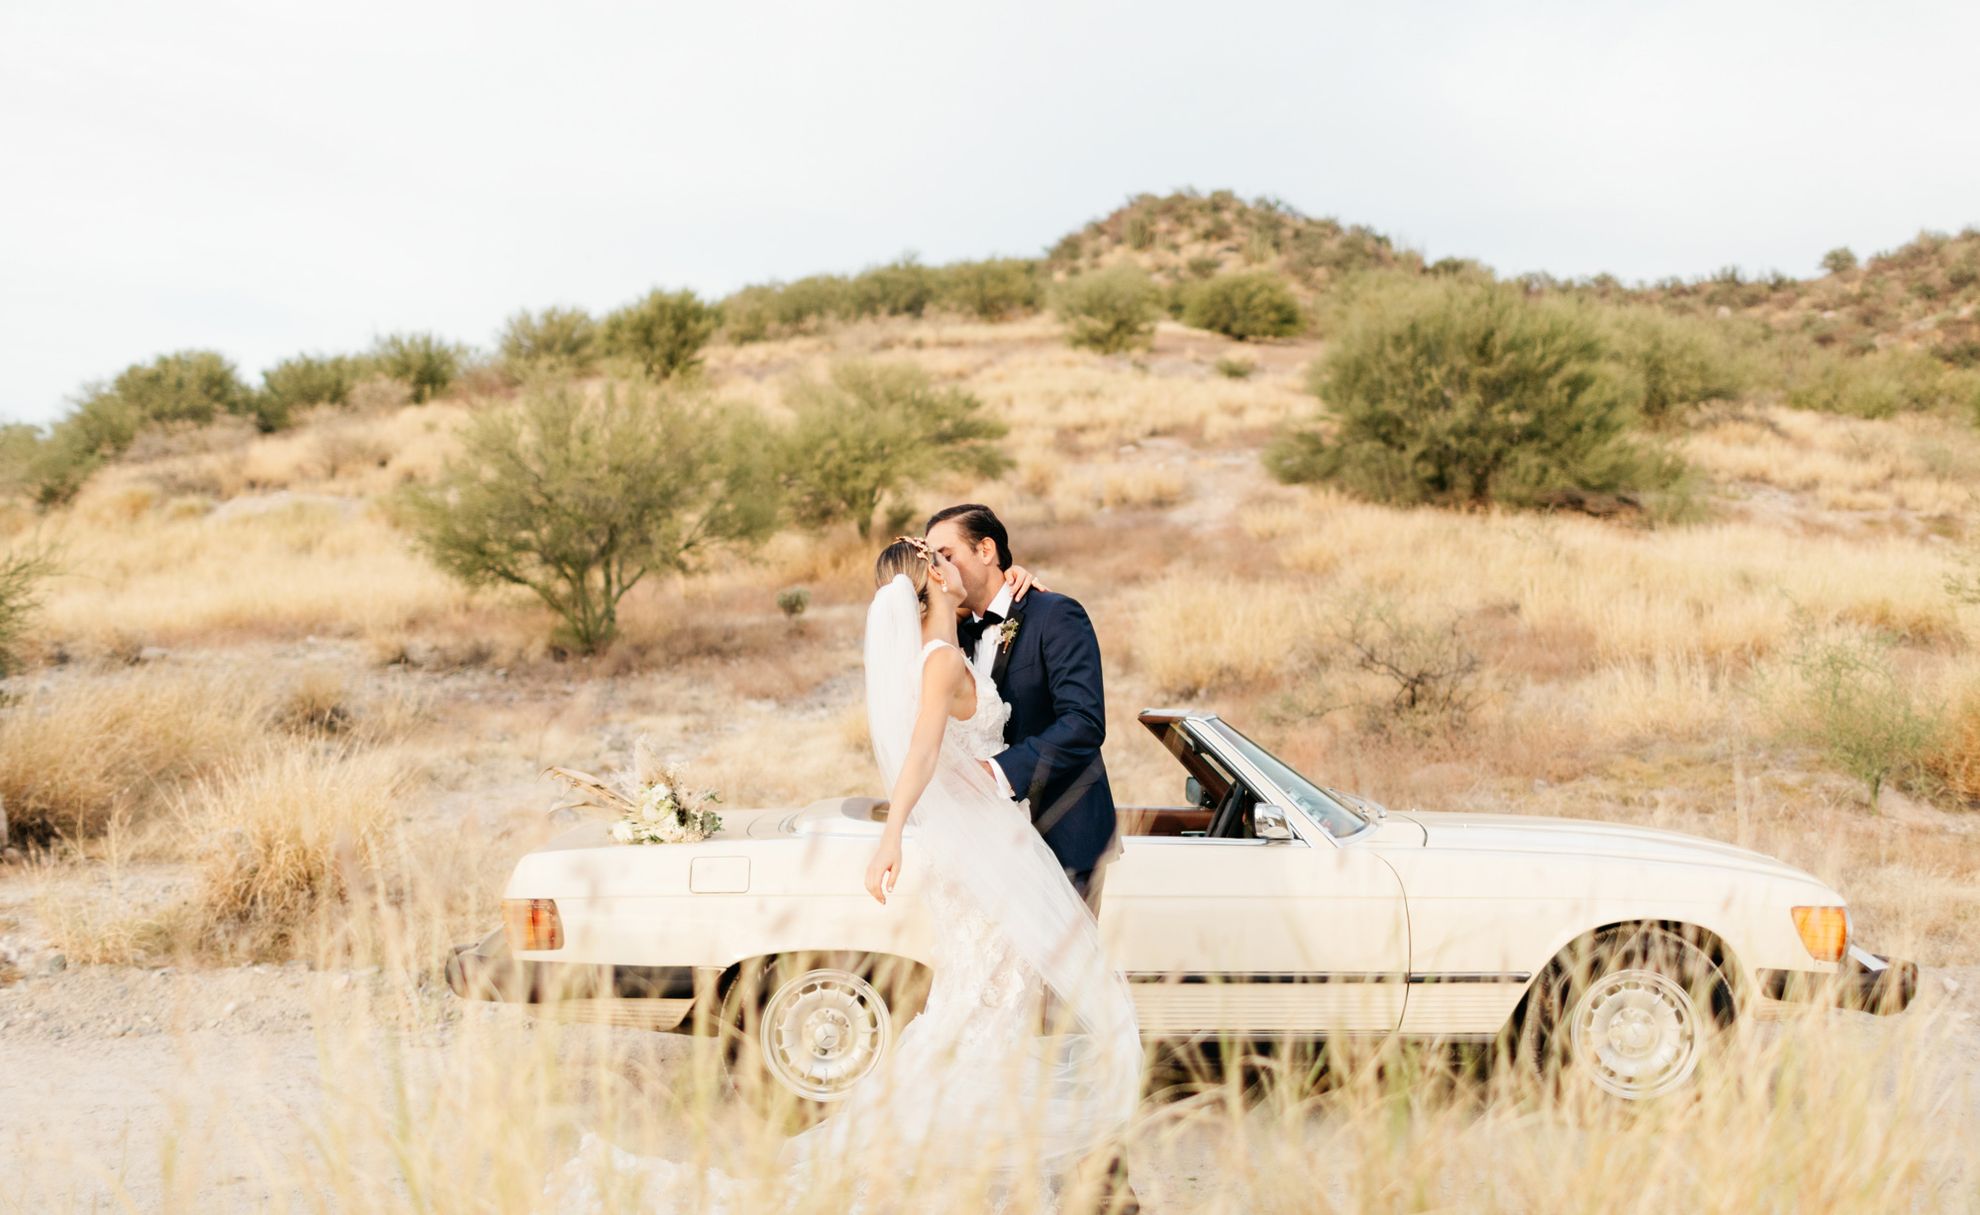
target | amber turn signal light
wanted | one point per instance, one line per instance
(1824, 931)
(532, 924)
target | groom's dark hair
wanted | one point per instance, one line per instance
(976, 521)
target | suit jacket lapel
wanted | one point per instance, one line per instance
(1003, 659)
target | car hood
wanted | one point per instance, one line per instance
(1516, 833)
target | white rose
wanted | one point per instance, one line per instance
(623, 832)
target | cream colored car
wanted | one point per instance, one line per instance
(1266, 907)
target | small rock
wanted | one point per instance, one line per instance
(153, 653)
(1952, 985)
(13, 856)
(54, 964)
(341, 982)
(229, 1010)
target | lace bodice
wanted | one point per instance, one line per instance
(981, 734)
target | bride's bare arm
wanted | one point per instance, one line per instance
(940, 677)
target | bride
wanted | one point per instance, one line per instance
(1026, 1060)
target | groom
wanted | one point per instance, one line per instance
(1046, 662)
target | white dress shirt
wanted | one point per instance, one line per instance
(985, 659)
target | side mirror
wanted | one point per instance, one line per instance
(1271, 826)
(1193, 792)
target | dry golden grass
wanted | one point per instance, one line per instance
(87, 752)
(1193, 636)
(285, 835)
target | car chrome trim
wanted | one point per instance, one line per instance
(1235, 977)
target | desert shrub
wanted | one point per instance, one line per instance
(873, 430)
(555, 339)
(663, 332)
(899, 288)
(1880, 384)
(190, 386)
(1243, 306)
(77, 756)
(1954, 756)
(1466, 393)
(424, 363)
(792, 601)
(1840, 260)
(1110, 310)
(285, 836)
(20, 451)
(1844, 695)
(750, 315)
(819, 297)
(305, 380)
(579, 497)
(992, 290)
(1236, 369)
(1668, 363)
(21, 575)
(1431, 673)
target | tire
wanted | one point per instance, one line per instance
(800, 1032)
(1631, 1015)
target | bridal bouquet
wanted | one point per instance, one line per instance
(653, 802)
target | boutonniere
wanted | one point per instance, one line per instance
(1007, 633)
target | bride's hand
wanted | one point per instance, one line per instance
(883, 870)
(1020, 580)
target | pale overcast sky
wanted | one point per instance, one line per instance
(263, 178)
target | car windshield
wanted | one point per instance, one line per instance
(1326, 812)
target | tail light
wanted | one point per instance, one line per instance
(532, 924)
(1824, 931)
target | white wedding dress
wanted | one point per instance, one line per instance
(973, 1091)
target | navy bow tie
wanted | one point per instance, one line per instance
(969, 632)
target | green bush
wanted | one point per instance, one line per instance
(21, 574)
(992, 290)
(555, 339)
(799, 306)
(1839, 260)
(1244, 306)
(1667, 362)
(875, 429)
(1848, 699)
(1879, 384)
(663, 332)
(193, 386)
(750, 315)
(1110, 310)
(580, 497)
(424, 363)
(1464, 393)
(900, 288)
(302, 381)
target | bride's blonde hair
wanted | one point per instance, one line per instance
(910, 557)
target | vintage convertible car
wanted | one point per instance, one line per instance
(1268, 907)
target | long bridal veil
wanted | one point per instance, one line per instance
(1081, 1079)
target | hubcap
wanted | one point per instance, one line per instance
(823, 1031)
(1636, 1033)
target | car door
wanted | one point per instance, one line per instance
(1305, 936)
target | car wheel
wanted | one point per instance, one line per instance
(1635, 1014)
(802, 1033)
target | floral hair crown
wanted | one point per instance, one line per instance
(918, 545)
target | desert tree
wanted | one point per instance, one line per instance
(580, 496)
(555, 340)
(1110, 310)
(423, 362)
(663, 332)
(1464, 394)
(873, 430)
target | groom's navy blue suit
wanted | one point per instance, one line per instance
(1050, 675)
